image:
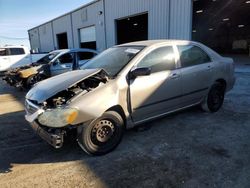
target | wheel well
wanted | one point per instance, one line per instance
(119, 110)
(44, 76)
(222, 82)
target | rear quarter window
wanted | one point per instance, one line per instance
(191, 55)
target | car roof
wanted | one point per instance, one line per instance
(75, 50)
(150, 43)
(156, 42)
(13, 47)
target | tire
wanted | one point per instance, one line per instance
(102, 135)
(215, 98)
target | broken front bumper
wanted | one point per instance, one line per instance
(54, 137)
(13, 80)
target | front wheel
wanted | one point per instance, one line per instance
(103, 134)
(214, 99)
(32, 80)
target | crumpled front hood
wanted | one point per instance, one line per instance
(25, 73)
(50, 87)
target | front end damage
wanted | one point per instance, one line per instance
(53, 136)
(13, 78)
(52, 118)
(21, 77)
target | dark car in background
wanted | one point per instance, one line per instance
(54, 63)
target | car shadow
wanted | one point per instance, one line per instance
(168, 154)
(20, 145)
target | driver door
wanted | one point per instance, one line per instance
(159, 92)
(62, 64)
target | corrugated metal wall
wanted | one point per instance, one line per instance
(34, 39)
(157, 16)
(167, 19)
(46, 37)
(180, 19)
(86, 17)
(62, 25)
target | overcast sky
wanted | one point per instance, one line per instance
(17, 16)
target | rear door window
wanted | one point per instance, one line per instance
(191, 55)
(67, 58)
(85, 55)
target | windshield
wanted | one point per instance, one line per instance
(46, 59)
(113, 59)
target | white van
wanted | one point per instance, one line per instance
(16, 56)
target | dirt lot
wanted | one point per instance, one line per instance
(187, 149)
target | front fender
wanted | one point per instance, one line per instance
(94, 103)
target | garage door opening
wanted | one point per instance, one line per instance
(88, 37)
(62, 41)
(222, 25)
(131, 29)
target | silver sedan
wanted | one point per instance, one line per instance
(125, 86)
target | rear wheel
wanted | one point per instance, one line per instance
(214, 99)
(103, 134)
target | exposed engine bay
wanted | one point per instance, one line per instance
(81, 87)
(26, 76)
(57, 136)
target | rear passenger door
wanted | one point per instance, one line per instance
(196, 73)
(62, 64)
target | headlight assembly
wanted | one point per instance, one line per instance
(58, 117)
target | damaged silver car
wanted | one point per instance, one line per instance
(125, 86)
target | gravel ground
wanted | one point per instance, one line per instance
(187, 149)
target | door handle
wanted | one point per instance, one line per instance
(174, 76)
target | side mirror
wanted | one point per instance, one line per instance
(144, 71)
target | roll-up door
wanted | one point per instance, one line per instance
(88, 37)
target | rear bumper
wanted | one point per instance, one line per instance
(54, 139)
